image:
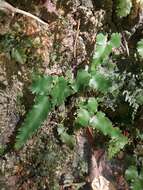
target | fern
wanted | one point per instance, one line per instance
(116, 144)
(60, 91)
(65, 137)
(140, 48)
(88, 115)
(100, 80)
(134, 177)
(33, 120)
(42, 85)
(51, 91)
(103, 49)
(123, 7)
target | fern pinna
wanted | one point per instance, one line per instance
(34, 119)
(123, 7)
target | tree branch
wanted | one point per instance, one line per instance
(8, 8)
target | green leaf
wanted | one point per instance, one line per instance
(102, 123)
(139, 134)
(33, 120)
(69, 140)
(18, 55)
(116, 144)
(115, 40)
(140, 48)
(42, 85)
(139, 98)
(135, 178)
(137, 184)
(83, 117)
(101, 39)
(104, 48)
(115, 132)
(131, 173)
(123, 7)
(92, 105)
(101, 43)
(59, 91)
(99, 82)
(141, 174)
(82, 79)
(2, 149)
(51, 91)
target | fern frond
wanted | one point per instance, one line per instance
(123, 7)
(60, 91)
(33, 120)
(57, 89)
(104, 48)
(140, 48)
(116, 144)
(42, 84)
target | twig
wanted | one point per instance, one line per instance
(6, 7)
(126, 44)
(77, 34)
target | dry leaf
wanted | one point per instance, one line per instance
(101, 183)
(51, 7)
